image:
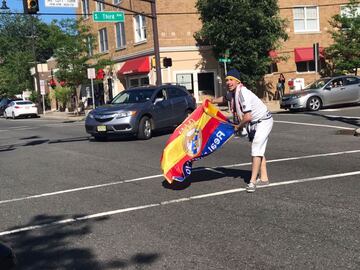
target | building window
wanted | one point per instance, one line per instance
(140, 28)
(103, 40)
(306, 19)
(89, 46)
(116, 2)
(85, 8)
(273, 68)
(100, 6)
(186, 80)
(305, 66)
(138, 81)
(120, 35)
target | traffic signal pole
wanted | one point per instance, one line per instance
(156, 43)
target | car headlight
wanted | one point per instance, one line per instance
(91, 115)
(125, 114)
(296, 96)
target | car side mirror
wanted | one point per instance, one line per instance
(328, 87)
(157, 100)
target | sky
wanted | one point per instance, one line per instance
(17, 6)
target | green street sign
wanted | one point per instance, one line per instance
(108, 16)
(225, 60)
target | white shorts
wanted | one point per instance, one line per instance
(259, 143)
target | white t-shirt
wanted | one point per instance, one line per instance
(247, 101)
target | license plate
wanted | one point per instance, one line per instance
(101, 128)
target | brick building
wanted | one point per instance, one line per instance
(308, 23)
(130, 44)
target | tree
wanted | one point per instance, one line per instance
(344, 53)
(17, 53)
(72, 55)
(249, 29)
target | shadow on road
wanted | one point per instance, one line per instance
(355, 121)
(201, 174)
(11, 147)
(59, 247)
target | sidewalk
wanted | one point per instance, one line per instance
(273, 107)
(68, 116)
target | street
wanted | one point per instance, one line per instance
(70, 202)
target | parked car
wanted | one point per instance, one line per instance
(5, 101)
(324, 92)
(23, 108)
(141, 110)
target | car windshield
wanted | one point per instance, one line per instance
(133, 96)
(317, 84)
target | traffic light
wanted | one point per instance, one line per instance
(31, 6)
(167, 62)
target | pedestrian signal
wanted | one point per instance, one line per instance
(31, 6)
(167, 62)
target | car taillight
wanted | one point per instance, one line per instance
(17, 107)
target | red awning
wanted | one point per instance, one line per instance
(306, 54)
(273, 54)
(135, 66)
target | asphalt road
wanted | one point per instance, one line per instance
(69, 202)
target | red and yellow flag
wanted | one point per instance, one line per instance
(203, 132)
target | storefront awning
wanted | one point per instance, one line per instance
(135, 66)
(273, 54)
(306, 54)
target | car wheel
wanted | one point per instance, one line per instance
(145, 128)
(314, 104)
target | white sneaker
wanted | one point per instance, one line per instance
(251, 187)
(261, 183)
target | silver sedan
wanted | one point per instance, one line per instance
(324, 92)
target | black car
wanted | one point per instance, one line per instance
(141, 110)
(4, 103)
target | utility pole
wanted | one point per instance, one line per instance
(156, 43)
(36, 77)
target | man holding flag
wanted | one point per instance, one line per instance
(255, 117)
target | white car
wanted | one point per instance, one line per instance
(23, 108)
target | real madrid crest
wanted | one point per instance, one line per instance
(192, 140)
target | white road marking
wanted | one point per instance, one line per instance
(196, 197)
(315, 125)
(341, 116)
(212, 170)
(160, 175)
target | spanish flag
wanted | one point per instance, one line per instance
(201, 133)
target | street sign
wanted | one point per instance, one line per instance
(108, 16)
(42, 87)
(61, 3)
(225, 60)
(227, 53)
(91, 73)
